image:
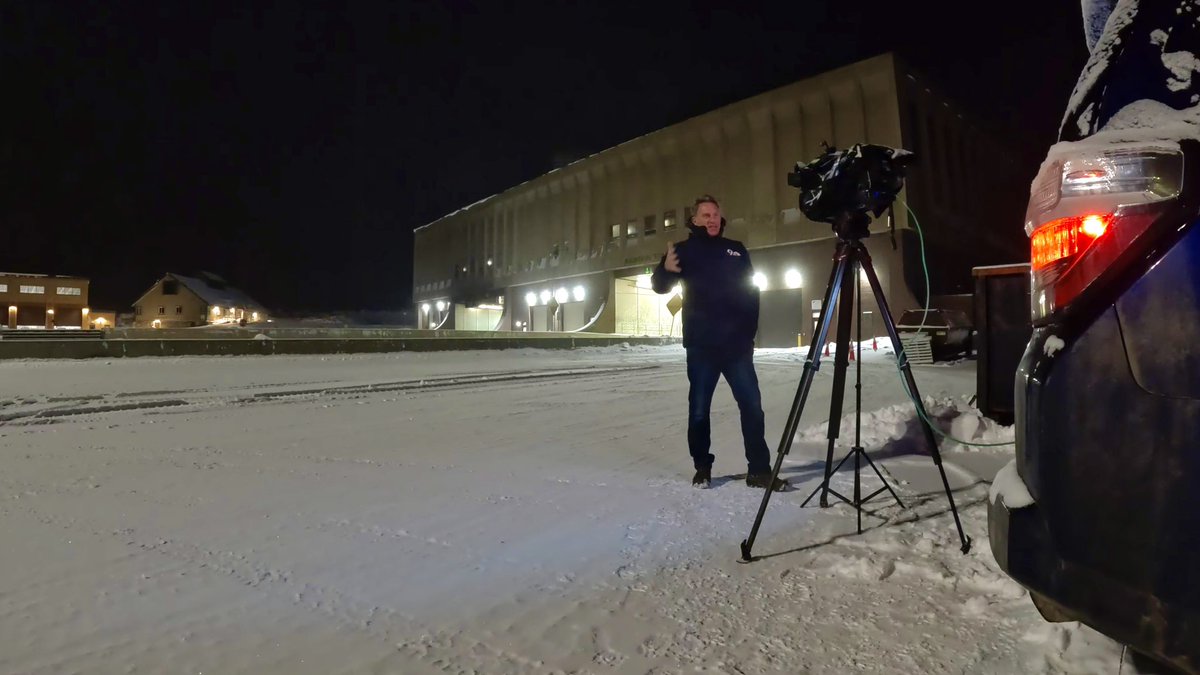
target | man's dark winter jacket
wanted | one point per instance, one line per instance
(720, 300)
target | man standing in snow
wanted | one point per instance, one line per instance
(720, 318)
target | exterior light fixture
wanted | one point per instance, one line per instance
(546, 297)
(216, 311)
(254, 316)
(561, 296)
(531, 298)
(489, 262)
(425, 308)
(760, 280)
(12, 308)
(86, 311)
(579, 292)
(441, 306)
(792, 279)
(50, 312)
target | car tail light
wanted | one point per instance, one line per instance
(1087, 207)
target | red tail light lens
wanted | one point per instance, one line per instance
(1068, 254)
(1066, 237)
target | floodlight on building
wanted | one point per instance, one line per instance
(792, 279)
(760, 280)
(531, 298)
(441, 306)
(216, 311)
(86, 311)
(12, 308)
(254, 316)
(50, 312)
(425, 308)
(489, 262)
(546, 297)
(464, 268)
(561, 296)
(579, 292)
(156, 323)
(101, 321)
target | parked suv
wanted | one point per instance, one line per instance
(1108, 391)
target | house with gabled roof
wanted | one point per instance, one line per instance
(178, 301)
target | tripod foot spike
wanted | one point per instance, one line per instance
(966, 547)
(746, 557)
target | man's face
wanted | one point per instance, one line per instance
(708, 216)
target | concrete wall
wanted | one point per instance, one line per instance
(335, 343)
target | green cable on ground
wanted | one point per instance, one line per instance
(902, 358)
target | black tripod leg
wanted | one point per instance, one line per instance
(906, 371)
(811, 364)
(841, 361)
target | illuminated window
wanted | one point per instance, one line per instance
(616, 231)
(649, 223)
(669, 221)
(69, 290)
(3, 288)
(34, 290)
(631, 229)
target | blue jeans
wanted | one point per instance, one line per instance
(704, 368)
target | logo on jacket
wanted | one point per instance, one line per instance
(733, 252)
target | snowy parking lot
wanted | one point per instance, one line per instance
(522, 511)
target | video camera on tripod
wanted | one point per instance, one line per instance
(841, 186)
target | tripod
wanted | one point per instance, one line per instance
(849, 257)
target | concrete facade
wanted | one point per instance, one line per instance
(569, 250)
(44, 301)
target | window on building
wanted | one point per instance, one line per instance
(69, 290)
(34, 290)
(3, 288)
(170, 287)
(650, 223)
(137, 310)
(669, 221)
(631, 229)
(616, 231)
(179, 309)
(162, 311)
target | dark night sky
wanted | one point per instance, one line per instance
(293, 146)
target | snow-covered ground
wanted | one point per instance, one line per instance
(501, 512)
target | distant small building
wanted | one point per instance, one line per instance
(101, 320)
(44, 301)
(178, 301)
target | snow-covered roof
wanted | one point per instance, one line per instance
(221, 296)
(213, 290)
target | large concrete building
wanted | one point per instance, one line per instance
(572, 250)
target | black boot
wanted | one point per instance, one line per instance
(761, 480)
(703, 478)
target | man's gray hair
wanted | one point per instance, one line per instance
(706, 198)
